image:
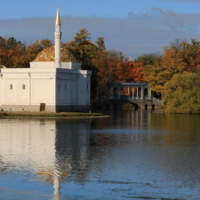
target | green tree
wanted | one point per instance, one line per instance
(182, 93)
(82, 48)
(100, 44)
(84, 51)
(35, 48)
(151, 69)
(149, 59)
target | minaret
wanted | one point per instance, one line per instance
(57, 35)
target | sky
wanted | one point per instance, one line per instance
(134, 27)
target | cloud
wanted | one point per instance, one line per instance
(133, 35)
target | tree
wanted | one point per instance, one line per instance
(113, 66)
(149, 59)
(84, 51)
(82, 48)
(20, 59)
(130, 71)
(182, 93)
(176, 59)
(13, 53)
(8, 49)
(34, 49)
(177, 45)
(100, 44)
(105, 62)
(151, 69)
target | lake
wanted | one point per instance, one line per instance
(130, 155)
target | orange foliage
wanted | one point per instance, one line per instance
(7, 52)
(14, 54)
(105, 62)
(112, 66)
(130, 71)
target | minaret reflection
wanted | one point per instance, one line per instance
(72, 146)
(53, 150)
(56, 183)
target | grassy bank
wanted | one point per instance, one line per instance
(49, 115)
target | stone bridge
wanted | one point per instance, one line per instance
(118, 103)
(119, 94)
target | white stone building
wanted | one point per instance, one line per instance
(51, 86)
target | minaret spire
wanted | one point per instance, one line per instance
(57, 35)
(58, 20)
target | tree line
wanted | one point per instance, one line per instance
(173, 76)
(15, 54)
(106, 65)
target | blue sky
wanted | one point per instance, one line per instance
(131, 26)
(101, 8)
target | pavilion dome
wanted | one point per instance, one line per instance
(48, 55)
(2, 66)
(49, 174)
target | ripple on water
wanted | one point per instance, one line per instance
(138, 156)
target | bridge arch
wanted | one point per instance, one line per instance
(135, 105)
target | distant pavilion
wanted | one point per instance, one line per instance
(117, 90)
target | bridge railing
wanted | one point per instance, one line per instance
(157, 100)
(130, 98)
(136, 98)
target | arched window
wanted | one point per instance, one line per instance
(11, 86)
(23, 86)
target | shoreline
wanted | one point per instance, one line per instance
(43, 115)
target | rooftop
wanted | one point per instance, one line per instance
(126, 84)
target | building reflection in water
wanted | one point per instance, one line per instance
(48, 148)
(135, 145)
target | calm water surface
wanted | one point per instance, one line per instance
(131, 155)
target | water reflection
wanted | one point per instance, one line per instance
(50, 149)
(133, 154)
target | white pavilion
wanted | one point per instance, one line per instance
(50, 86)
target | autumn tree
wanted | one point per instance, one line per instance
(151, 62)
(154, 76)
(176, 59)
(105, 63)
(130, 71)
(19, 58)
(14, 54)
(23, 56)
(8, 48)
(182, 93)
(35, 48)
(113, 66)
(9, 43)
